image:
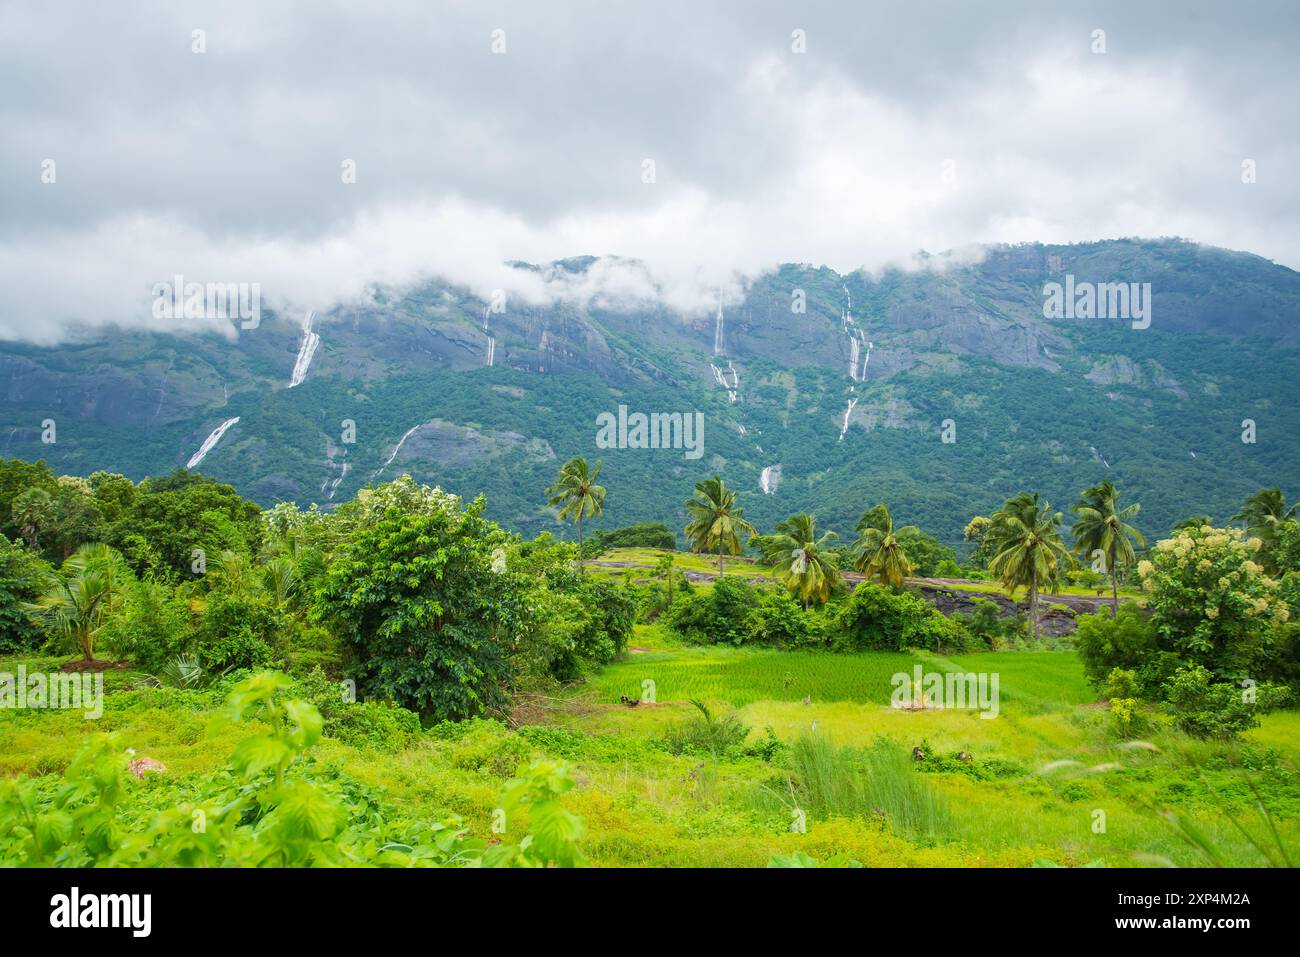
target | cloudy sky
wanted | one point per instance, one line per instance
(900, 127)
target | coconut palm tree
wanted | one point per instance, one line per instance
(1264, 511)
(1104, 527)
(799, 554)
(1028, 550)
(280, 578)
(716, 521)
(578, 495)
(81, 597)
(877, 552)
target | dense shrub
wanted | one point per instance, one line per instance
(362, 724)
(986, 625)
(719, 615)
(238, 630)
(1207, 709)
(877, 619)
(779, 620)
(641, 535)
(1127, 641)
(22, 578)
(153, 626)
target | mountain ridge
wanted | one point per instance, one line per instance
(848, 396)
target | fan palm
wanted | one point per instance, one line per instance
(878, 553)
(1103, 527)
(577, 495)
(81, 597)
(798, 553)
(716, 521)
(1028, 550)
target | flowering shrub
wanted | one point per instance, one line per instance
(1211, 602)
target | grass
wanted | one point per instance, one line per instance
(841, 756)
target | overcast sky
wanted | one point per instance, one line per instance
(904, 126)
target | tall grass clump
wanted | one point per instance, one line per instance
(874, 783)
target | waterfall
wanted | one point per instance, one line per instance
(335, 484)
(491, 350)
(397, 448)
(854, 349)
(719, 343)
(770, 479)
(306, 349)
(847, 412)
(733, 387)
(213, 438)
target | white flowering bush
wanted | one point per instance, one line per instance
(1212, 602)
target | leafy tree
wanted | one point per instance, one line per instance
(1192, 521)
(82, 597)
(641, 535)
(173, 515)
(413, 595)
(1103, 527)
(577, 493)
(879, 552)
(977, 531)
(800, 558)
(925, 552)
(780, 620)
(23, 577)
(1029, 551)
(716, 522)
(1212, 602)
(114, 494)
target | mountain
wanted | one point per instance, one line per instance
(845, 403)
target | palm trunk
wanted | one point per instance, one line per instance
(582, 567)
(1033, 606)
(1114, 596)
(720, 571)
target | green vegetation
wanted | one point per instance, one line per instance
(400, 681)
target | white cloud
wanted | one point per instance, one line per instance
(227, 170)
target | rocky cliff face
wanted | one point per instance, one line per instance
(856, 383)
